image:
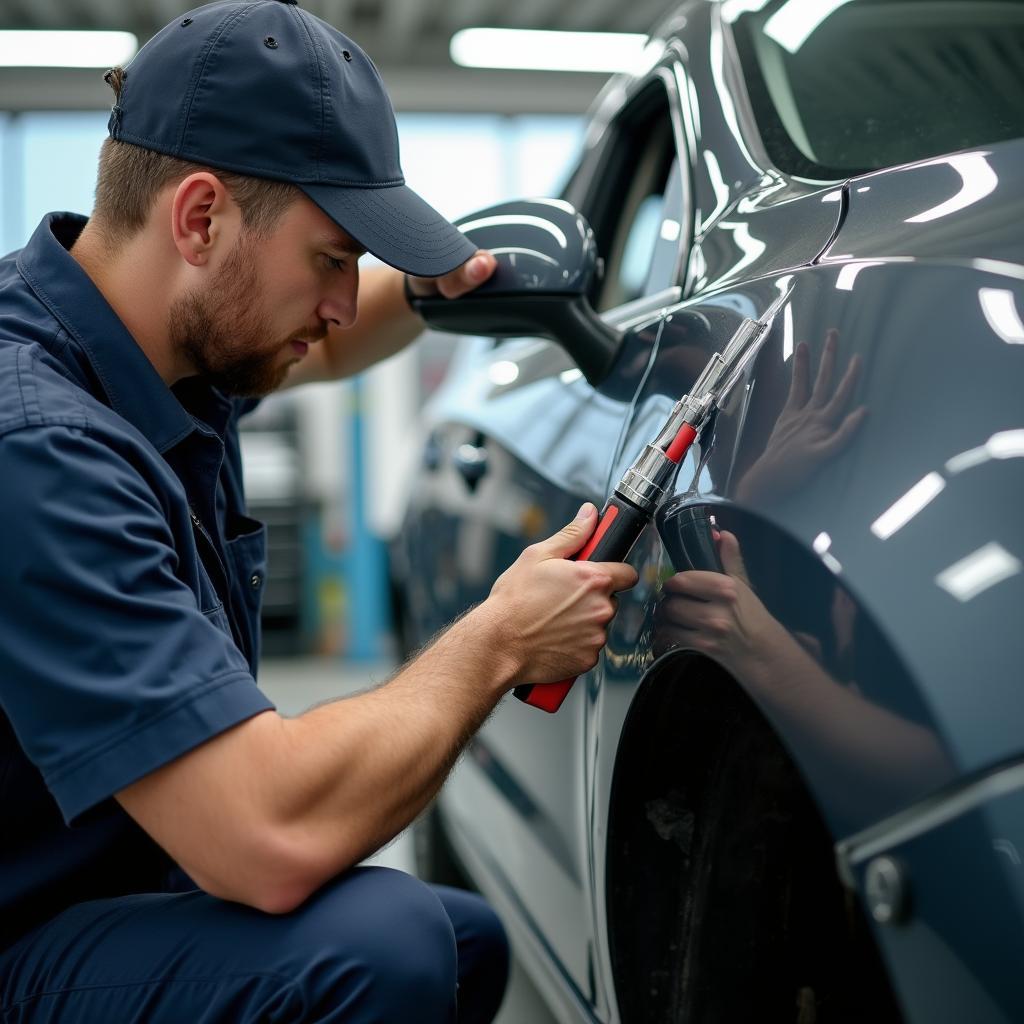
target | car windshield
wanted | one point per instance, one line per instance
(845, 86)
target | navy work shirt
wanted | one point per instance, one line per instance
(130, 581)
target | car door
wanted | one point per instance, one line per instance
(546, 439)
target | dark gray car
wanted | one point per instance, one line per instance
(800, 799)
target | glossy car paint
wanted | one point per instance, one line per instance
(546, 256)
(867, 557)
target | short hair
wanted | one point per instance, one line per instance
(130, 178)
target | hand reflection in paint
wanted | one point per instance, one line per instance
(720, 615)
(814, 426)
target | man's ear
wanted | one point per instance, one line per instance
(200, 211)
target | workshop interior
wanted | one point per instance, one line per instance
(759, 298)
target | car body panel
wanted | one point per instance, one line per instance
(896, 560)
(773, 229)
(907, 387)
(968, 931)
(966, 205)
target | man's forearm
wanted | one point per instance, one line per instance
(269, 810)
(273, 808)
(361, 768)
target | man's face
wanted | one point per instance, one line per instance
(268, 301)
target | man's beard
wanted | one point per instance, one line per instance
(222, 330)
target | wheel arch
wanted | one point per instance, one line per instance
(717, 853)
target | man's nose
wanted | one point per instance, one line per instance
(339, 305)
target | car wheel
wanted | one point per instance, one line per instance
(724, 902)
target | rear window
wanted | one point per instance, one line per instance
(844, 86)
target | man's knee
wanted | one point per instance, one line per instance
(381, 942)
(483, 954)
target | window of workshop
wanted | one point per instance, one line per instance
(4, 247)
(47, 162)
(457, 162)
(463, 162)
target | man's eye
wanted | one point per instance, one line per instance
(335, 262)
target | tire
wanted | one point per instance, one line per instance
(724, 902)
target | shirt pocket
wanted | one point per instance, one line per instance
(210, 603)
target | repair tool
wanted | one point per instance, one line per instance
(637, 495)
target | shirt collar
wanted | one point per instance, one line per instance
(130, 381)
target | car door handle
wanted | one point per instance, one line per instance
(470, 461)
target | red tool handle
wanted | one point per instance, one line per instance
(620, 524)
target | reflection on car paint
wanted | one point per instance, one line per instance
(1000, 308)
(827, 683)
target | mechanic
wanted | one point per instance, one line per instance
(173, 849)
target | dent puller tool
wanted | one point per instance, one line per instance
(636, 496)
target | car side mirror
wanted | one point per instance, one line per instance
(547, 265)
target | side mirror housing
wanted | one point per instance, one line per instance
(547, 264)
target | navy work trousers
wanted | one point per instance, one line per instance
(375, 946)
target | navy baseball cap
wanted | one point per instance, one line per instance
(264, 88)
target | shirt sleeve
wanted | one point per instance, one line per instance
(108, 667)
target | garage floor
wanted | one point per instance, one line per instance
(296, 684)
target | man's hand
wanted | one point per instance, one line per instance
(552, 612)
(477, 269)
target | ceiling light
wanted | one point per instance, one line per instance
(787, 319)
(518, 220)
(821, 545)
(904, 509)
(980, 570)
(848, 274)
(45, 49)
(533, 50)
(832, 563)
(1000, 311)
(503, 372)
(1000, 267)
(792, 24)
(968, 460)
(732, 9)
(670, 229)
(1007, 444)
(978, 181)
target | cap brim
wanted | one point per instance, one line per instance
(397, 226)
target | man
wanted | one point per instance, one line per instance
(253, 157)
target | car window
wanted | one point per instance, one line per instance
(640, 239)
(650, 252)
(842, 89)
(636, 204)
